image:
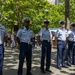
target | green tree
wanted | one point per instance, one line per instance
(38, 10)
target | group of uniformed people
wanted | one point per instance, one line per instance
(25, 36)
(63, 37)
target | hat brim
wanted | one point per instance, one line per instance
(73, 25)
(26, 19)
(62, 23)
(46, 22)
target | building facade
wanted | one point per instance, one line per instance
(54, 1)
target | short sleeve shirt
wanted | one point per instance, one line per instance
(25, 35)
(3, 33)
(45, 34)
(61, 34)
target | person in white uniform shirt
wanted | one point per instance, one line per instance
(24, 38)
(61, 37)
(71, 44)
(45, 36)
(3, 37)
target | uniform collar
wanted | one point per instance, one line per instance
(45, 28)
(62, 28)
(25, 28)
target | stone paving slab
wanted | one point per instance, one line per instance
(11, 63)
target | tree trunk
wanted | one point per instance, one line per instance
(67, 13)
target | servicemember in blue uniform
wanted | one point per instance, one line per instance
(45, 36)
(61, 36)
(73, 59)
(70, 44)
(3, 37)
(24, 38)
(71, 49)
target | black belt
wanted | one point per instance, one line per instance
(1, 44)
(26, 42)
(62, 40)
(70, 41)
(46, 40)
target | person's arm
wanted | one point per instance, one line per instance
(18, 40)
(56, 40)
(18, 36)
(56, 37)
(39, 37)
(51, 38)
(32, 36)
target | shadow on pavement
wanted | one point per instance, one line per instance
(11, 63)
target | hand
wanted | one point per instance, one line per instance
(18, 47)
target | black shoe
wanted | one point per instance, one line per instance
(42, 71)
(65, 66)
(73, 63)
(49, 71)
(29, 73)
(19, 73)
(68, 64)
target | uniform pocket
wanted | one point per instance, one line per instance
(24, 33)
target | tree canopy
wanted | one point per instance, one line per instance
(12, 12)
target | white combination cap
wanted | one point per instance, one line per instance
(26, 19)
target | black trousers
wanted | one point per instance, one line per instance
(25, 51)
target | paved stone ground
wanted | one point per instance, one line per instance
(11, 63)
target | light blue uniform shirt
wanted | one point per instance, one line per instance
(25, 35)
(3, 33)
(71, 35)
(61, 34)
(45, 34)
